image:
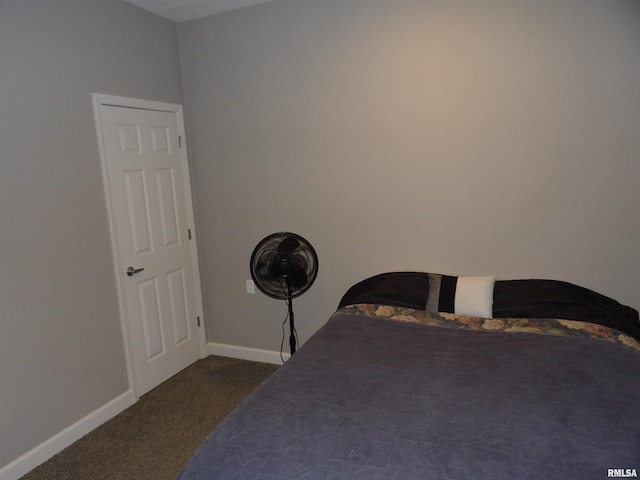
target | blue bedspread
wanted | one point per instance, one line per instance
(401, 395)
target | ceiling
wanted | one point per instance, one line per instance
(182, 10)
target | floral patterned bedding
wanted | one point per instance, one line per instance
(542, 326)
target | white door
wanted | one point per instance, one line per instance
(149, 197)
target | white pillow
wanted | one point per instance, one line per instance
(474, 296)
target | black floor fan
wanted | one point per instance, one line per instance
(283, 266)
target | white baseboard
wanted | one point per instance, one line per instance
(60, 441)
(246, 353)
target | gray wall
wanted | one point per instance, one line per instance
(455, 137)
(61, 347)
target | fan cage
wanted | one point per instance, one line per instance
(302, 256)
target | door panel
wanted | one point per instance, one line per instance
(150, 318)
(179, 311)
(168, 207)
(138, 211)
(147, 183)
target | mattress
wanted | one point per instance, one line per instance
(391, 392)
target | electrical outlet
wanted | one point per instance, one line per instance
(251, 287)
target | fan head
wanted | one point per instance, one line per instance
(284, 265)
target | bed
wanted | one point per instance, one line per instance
(409, 379)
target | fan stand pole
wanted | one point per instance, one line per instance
(292, 336)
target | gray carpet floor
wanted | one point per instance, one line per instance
(154, 438)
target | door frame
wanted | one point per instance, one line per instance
(99, 100)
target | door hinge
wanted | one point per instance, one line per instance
(198, 321)
(180, 141)
(189, 233)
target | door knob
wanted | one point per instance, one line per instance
(132, 271)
